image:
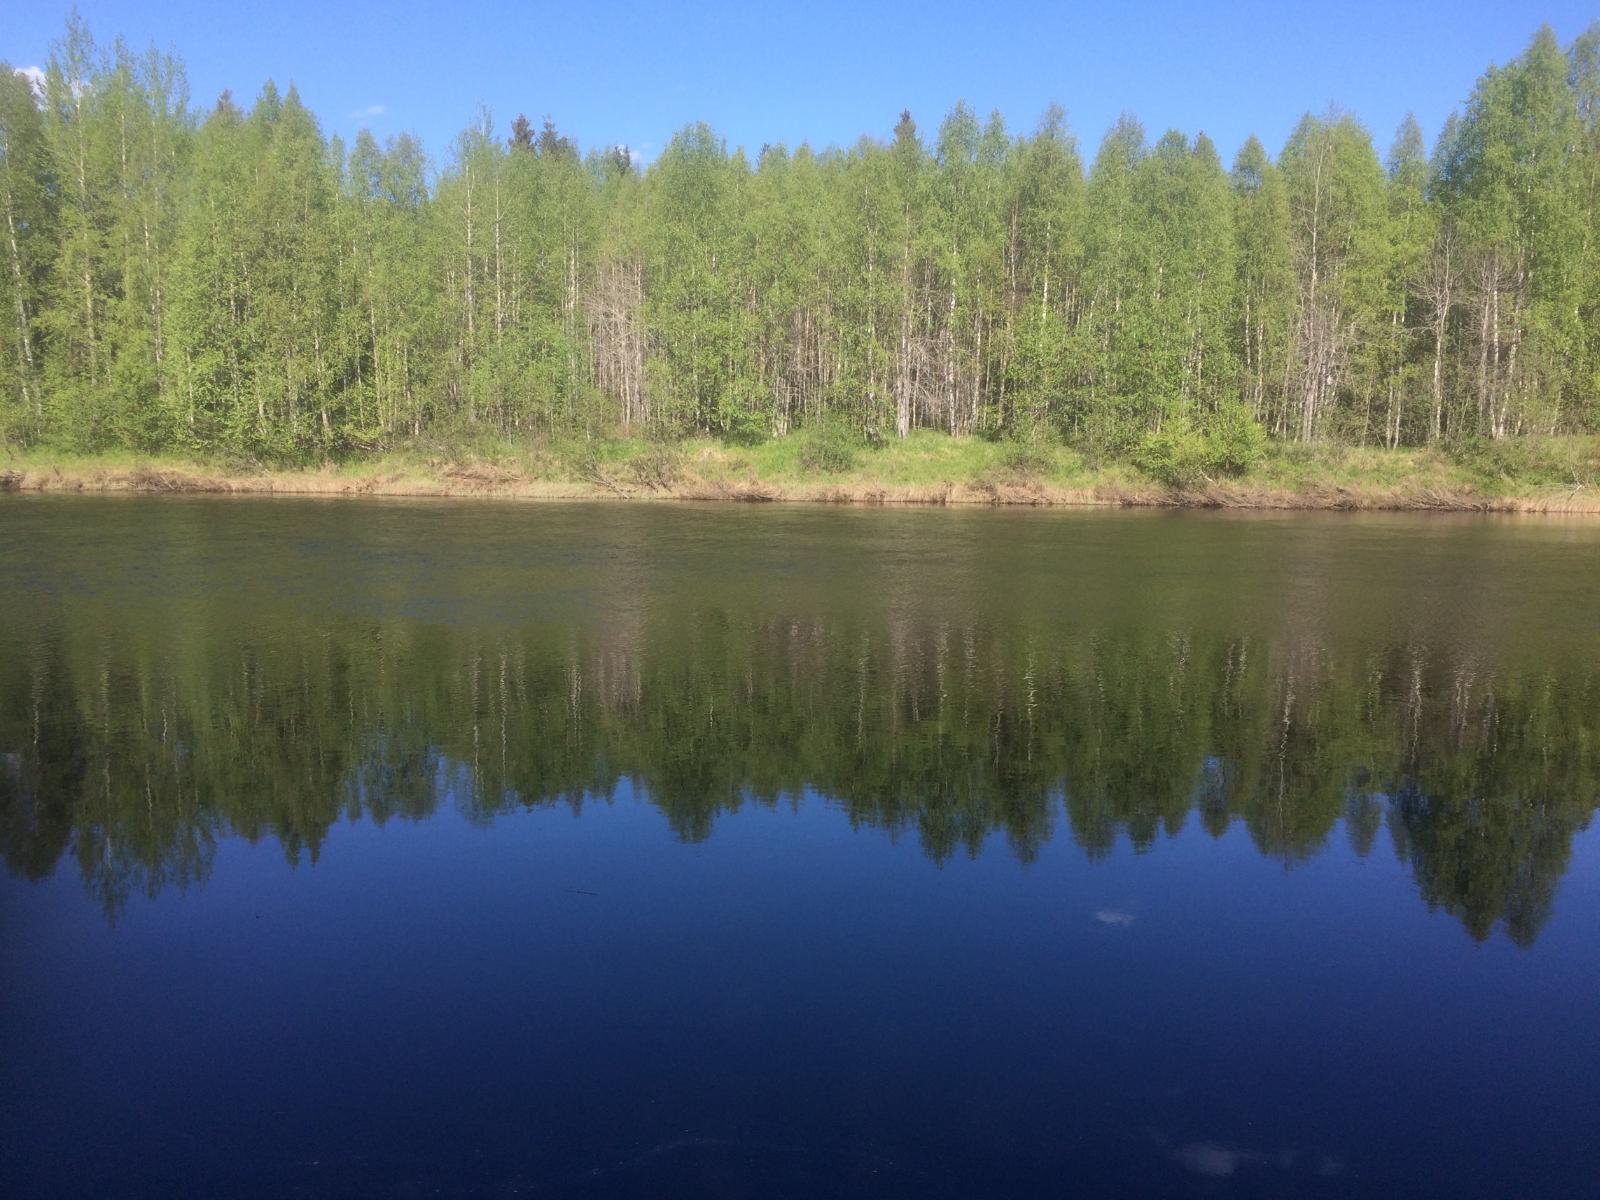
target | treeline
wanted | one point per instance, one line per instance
(232, 282)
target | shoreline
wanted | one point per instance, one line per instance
(485, 482)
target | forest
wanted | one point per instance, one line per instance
(227, 282)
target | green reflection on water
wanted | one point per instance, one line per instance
(136, 731)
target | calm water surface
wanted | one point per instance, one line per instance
(407, 849)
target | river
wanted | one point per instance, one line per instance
(398, 848)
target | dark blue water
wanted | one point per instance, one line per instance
(410, 850)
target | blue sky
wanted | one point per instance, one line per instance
(825, 71)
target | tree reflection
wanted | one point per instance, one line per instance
(133, 746)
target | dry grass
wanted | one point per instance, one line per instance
(712, 482)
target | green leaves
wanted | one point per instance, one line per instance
(236, 283)
(1182, 454)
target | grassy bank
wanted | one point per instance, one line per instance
(1525, 475)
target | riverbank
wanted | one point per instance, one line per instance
(1547, 476)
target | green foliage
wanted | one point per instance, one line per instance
(658, 467)
(1027, 457)
(828, 446)
(234, 281)
(1183, 454)
(1531, 461)
(1237, 443)
(1178, 455)
(740, 421)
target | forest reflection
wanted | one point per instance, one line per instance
(129, 749)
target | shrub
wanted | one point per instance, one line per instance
(745, 425)
(1237, 440)
(1182, 455)
(828, 445)
(1027, 458)
(1527, 459)
(659, 467)
(1177, 456)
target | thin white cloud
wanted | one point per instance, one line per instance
(1111, 916)
(35, 76)
(371, 110)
